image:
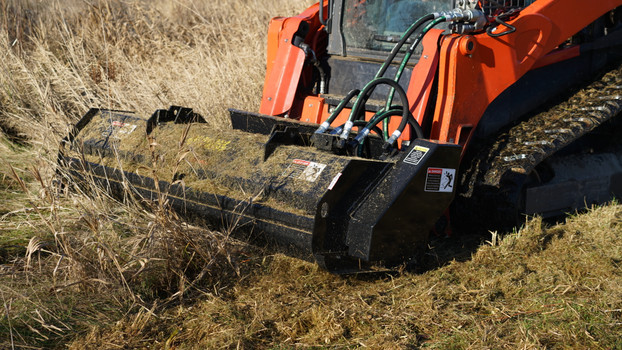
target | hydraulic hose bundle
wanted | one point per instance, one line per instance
(358, 108)
(356, 116)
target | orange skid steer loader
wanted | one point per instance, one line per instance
(382, 118)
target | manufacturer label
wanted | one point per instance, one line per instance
(440, 180)
(304, 170)
(416, 154)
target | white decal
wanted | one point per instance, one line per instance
(118, 128)
(415, 155)
(440, 180)
(335, 179)
(304, 170)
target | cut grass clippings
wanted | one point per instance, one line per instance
(555, 287)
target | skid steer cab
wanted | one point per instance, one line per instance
(367, 113)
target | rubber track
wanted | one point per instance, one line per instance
(490, 188)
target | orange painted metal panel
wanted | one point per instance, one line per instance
(312, 109)
(274, 30)
(285, 62)
(422, 77)
(468, 83)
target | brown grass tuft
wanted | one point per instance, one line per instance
(78, 254)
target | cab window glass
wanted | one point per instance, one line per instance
(376, 24)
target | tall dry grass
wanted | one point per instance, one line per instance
(66, 56)
(86, 252)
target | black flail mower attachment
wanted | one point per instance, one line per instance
(273, 181)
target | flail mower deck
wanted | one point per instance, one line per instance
(265, 179)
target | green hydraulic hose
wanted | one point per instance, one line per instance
(360, 138)
(401, 43)
(326, 124)
(382, 71)
(402, 67)
(380, 115)
(366, 91)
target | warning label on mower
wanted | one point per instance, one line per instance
(118, 128)
(440, 180)
(416, 155)
(304, 170)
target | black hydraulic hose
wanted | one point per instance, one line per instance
(411, 121)
(372, 125)
(368, 89)
(409, 52)
(359, 139)
(416, 127)
(326, 124)
(398, 46)
(400, 91)
(400, 70)
(322, 87)
(358, 123)
(363, 123)
(343, 104)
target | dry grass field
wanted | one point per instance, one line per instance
(81, 270)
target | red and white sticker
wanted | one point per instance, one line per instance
(118, 128)
(304, 170)
(124, 128)
(440, 180)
